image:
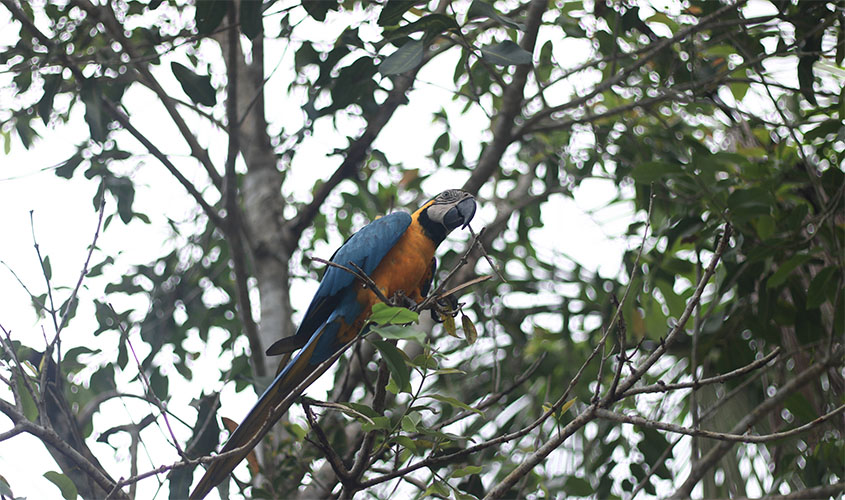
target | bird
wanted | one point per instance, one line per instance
(397, 252)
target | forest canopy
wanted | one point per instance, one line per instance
(695, 349)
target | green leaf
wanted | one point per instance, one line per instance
(319, 8)
(805, 77)
(48, 270)
(30, 409)
(748, 203)
(786, 269)
(395, 363)
(432, 25)
(651, 171)
(398, 332)
(376, 424)
(467, 471)
(449, 325)
(64, 483)
(765, 226)
(393, 11)
(406, 58)
(437, 488)
(479, 8)
(197, 87)
(124, 192)
(68, 167)
(469, 329)
(409, 424)
(159, 384)
(822, 287)
(384, 314)
(506, 53)
(52, 82)
(94, 111)
(406, 442)
(5, 489)
(209, 14)
(352, 412)
(739, 90)
(363, 409)
(448, 371)
(251, 18)
(823, 129)
(25, 132)
(454, 402)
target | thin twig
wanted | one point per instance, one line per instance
(358, 273)
(721, 436)
(718, 379)
(49, 436)
(673, 334)
(477, 243)
(617, 312)
(717, 452)
(84, 272)
(146, 382)
(324, 446)
(438, 291)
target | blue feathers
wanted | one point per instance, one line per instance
(335, 302)
(366, 249)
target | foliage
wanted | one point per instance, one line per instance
(684, 111)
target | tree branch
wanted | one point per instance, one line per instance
(512, 99)
(115, 29)
(718, 379)
(721, 436)
(708, 461)
(826, 491)
(609, 82)
(234, 227)
(673, 334)
(49, 436)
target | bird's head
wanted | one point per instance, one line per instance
(448, 210)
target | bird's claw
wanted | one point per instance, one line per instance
(445, 305)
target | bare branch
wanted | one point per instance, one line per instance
(123, 119)
(718, 379)
(148, 389)
(50, 437)
(358, 273)
(718, 451)
(721, 436)
(826, 491)
(682, 321)
(324, 445)
(356, 153)
(607, 83)
(82, 274)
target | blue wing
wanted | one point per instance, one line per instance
(366, 249)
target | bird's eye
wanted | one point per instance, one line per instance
(449, 195)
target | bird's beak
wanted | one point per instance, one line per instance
(461, 214)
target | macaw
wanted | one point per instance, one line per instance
(397, 252)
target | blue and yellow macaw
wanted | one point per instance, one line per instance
(397, 252)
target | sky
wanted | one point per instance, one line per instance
(58, 214)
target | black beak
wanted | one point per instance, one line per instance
(461, 214)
